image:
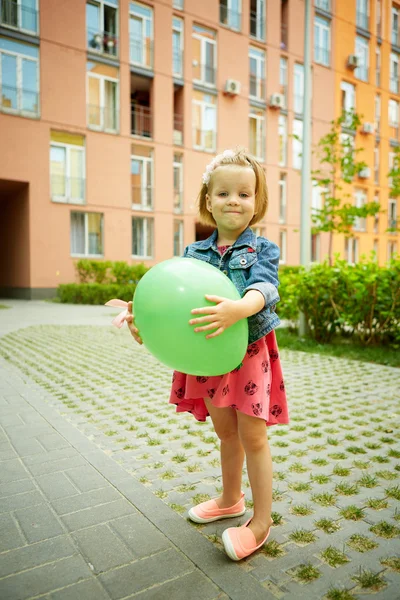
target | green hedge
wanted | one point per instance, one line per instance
(105, 272)
(361, 300)
(94, 293)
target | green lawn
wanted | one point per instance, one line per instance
(384, 355)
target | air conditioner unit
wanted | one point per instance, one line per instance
(277, 101)
(232, 87)
(367, 128)
(365, 173)
(353, 61)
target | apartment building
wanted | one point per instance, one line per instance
(111, 109)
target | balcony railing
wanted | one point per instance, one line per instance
(14, 14)
(142, 197)
(257, 88)
(284, 36)
(141, 121)
(178, 201)
(102, 41)
(322, 55)
(104, 118)
(204, 74)
(178, 130)
(19, 100)
(362, 20)
(204, 139)
(257, 26)
(141, 52)
(68, 189)
(177, 63)
(230, 18)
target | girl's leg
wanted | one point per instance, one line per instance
(232, 453)
(252, 433)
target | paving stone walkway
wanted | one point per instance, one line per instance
(81, 390)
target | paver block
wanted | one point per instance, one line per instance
(6, 451)
(53, 466)
(10, 536)
(90, 589)
(28, 447)
(54, 441)
(52, 455)
(97, 514)
(86, 478)
(36, 555)
(103, 548)
(140, 535)
(44, 579)
(38, 523)
(11, 503)
(145, 573)
(12, 470)
(16, 487)
(56, 485)
(192, 586)
(77, 502)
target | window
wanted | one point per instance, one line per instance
(315, 247)
(316, 198)
(178, 238)
(282, 133)
(377, 113)
(284, 24)
(322, 41)
(378, 66)
(177, 47)
(178, 4)
(19, 78)
(204, 56)
(282, 198)
(392, 214)
(257, 134)
(101, 26)
(394, 120)
(362, 51)
(257, 19)
(230, 13)
(86, 234)
(142, 181)
(360, 198)
(392, 249)
(297, 143)
(141, 35)
(391, 167)
(178, 183)
(204, 121)
(376, 250)
(258, 231)
(283, 78)
(102, 86)
(282, 246)
(348, 100)
(362, 14)
(298, 88)
(20, 14)
(257, 74)
(323, 4)
(394, 73)
(142, 237)
(376, 217)
(395, 37)
(376, 164)
(67, 167)
(351, 250)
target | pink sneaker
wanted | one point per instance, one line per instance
(240, 542)
(206, 512)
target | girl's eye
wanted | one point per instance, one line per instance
(222, 194)
(244, 195)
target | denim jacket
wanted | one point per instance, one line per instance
(251, 263)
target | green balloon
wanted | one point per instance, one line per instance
(162, 303)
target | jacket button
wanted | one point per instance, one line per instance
(243, 261)
(225, 272)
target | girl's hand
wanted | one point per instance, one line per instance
(131, 324)
(221, 316)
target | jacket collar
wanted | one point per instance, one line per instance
(247, 238)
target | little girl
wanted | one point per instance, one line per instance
(241, 403)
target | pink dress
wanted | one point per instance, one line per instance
(255, 388)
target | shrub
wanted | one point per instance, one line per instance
(105, 271)
(94, 293)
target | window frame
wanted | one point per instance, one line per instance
(204, 105)
(259, 56)
(394, 73)
(259, 145)
(145, 19)
(395, 35)
(67, 198)
(19, 27)
(282, 184)
(283, 78)
(283, 246)
(321, 25)
(196, 34)
(102, 4)
(297, 160)
(86, 216)
(20, 57)
(147, 223)
(298, 83)
(178, 166)
(361, 49)
(102, 107)
(180, 31)
(260, 22)
(283, 129)
(352, 250)
(146, 161)
(180, 224)
(360, 200)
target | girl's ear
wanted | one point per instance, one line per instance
(208, 203)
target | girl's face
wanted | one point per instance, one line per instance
(231, 199)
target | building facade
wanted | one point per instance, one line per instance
(111, 109)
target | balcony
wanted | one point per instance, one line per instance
(230, 18)
(284, 36)
(178, 130)
(141, 121)
(257, 88)
(102, 42)
(204, 74)
(19, 101)
(142, 197)
(102, 118)
(67, 189)
(23, 18)
(141, 53)
(257, 26)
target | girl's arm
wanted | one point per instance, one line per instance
(263, 275)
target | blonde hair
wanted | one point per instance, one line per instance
(243, 159)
